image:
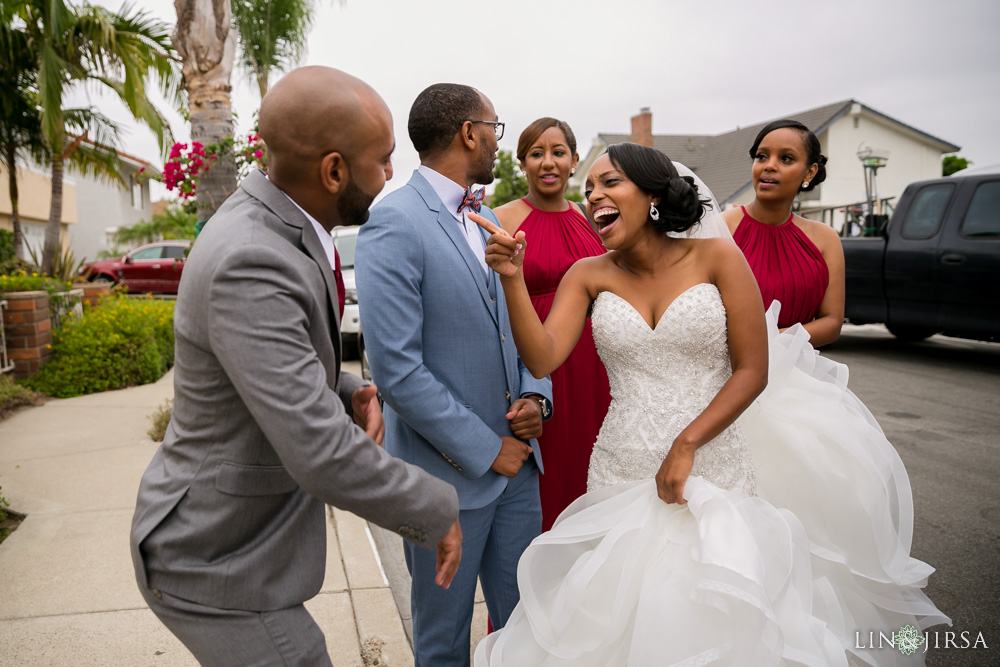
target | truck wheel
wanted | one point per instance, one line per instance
(910, 334)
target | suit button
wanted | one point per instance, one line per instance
(508, 395)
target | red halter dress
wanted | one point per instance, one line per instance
(788, 267)
(580, 386)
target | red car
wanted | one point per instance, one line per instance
(155, 267)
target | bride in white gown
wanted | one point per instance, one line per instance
(724, 523)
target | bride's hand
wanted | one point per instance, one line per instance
(674, 472)
(504, 253)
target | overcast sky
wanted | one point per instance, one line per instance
(702, 67)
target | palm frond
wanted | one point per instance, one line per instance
(175, 223)
(272, 34)
(98, 155)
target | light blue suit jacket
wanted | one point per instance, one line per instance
(439, 342)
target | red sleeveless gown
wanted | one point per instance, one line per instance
(788, 267)
(580, 386)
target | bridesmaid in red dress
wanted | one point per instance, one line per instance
(560, 235)
(796, 261)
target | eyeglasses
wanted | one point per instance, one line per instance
(497, 126)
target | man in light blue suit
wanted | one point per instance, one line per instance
(458, 402)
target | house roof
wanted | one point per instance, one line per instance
(131, 160)
(713, 157)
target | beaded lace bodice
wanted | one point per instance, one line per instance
(661, 379)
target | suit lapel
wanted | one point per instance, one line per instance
(453, 229)
(315, 250)
(259, 187)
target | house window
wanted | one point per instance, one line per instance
(137, 189)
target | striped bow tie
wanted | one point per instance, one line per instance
(473, 199)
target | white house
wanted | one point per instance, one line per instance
(92, 208)
(844, 129)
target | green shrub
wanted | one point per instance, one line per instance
(13, 395)
(66, 267)
(160, 419)
(22, 281)
(3, 518)
(122, 342)
(60, 303)
(9, 263)
(6, 245)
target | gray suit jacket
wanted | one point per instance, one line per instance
(230, 512)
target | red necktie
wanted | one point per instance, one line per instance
(338, 276)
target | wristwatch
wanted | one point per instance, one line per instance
(546, 406)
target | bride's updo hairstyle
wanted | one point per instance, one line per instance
(680, 206)
(809, 141)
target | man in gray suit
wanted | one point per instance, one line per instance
(458, 402)
(229, 537)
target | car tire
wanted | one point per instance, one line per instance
(103, 279)
(908, 334)
(366, 371)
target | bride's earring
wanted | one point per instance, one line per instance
(805, 184)
(653, 213)
(572, 171)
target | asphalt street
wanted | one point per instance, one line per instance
(938, 402)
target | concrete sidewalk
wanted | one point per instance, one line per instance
(67, 589)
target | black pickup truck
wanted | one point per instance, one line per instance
(934, 267)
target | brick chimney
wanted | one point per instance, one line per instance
(642, 128)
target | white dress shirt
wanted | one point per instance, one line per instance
(325, 238)
(451, 194)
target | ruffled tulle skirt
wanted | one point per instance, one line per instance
(800, 574)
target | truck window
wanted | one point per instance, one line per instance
(924, 215)
(982, 220)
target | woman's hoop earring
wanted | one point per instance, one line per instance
(653, 213)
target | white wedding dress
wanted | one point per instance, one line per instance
(795, 537)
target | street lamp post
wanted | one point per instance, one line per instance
(871, 161)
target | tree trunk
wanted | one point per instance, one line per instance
(15, 216)
(207, 45)
(262, 83)
(53, 229)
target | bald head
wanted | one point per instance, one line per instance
(329, 139)
(313, 111)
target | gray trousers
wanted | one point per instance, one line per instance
(234, 638)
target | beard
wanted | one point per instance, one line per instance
(484, 175)
(353, 205)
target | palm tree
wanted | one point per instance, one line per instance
(20, 127)
(272, 35)
(20, 139)
(207, 47)
(120, 51)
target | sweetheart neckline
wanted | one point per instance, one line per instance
(664, 313)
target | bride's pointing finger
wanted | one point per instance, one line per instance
(487, 225)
